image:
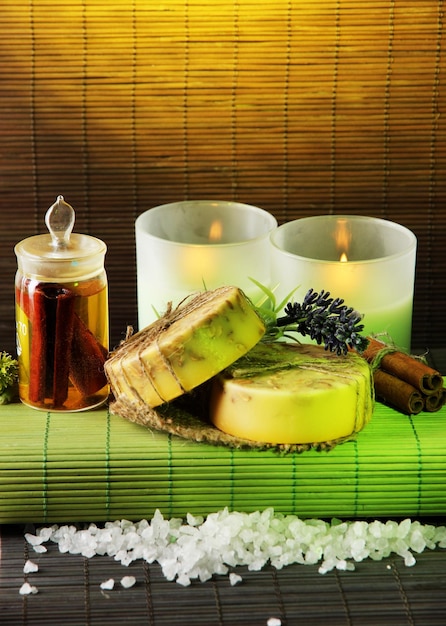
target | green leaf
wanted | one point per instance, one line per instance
(9, 371)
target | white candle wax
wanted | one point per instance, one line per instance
(377, 279)
(185, 247)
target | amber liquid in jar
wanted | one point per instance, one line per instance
(62, 343)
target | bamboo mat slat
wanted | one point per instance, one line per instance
(94, 465)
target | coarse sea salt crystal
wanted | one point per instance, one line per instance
(30, 567)
(128, 581)
(234, 579)
(108, 584)
(26, 589)
(202, 547)
(34, 540)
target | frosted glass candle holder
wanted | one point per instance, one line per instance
(185, 247)
(369, 262)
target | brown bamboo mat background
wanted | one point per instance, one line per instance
(378, 592)
(301, 107)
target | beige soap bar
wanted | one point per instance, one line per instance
(182, 350)
(293, 393)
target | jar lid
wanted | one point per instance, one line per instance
(60, 254)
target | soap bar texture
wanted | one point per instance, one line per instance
(184, 348)
(293, 393)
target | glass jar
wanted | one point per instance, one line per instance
(61, 316)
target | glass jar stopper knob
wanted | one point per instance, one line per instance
(60, 221)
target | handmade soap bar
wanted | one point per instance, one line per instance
(293, 393)
(185, 348)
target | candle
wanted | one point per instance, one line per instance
(185, 247)
(369, 262)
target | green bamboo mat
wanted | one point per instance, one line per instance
(96, 466)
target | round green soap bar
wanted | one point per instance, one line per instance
(293, 393)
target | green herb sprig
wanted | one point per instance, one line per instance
(9, 369)
(324, 319)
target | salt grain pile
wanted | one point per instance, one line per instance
(202, 547)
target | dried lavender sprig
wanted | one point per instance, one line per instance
(324, 319)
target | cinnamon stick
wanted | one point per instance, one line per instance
(435, 401)
(403, 366)
(63, 333)
(62, 346)
(51, 316)
(87, 358)
(398, 393)
(38, 349)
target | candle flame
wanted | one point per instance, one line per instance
(342, 238)
(215, 231)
